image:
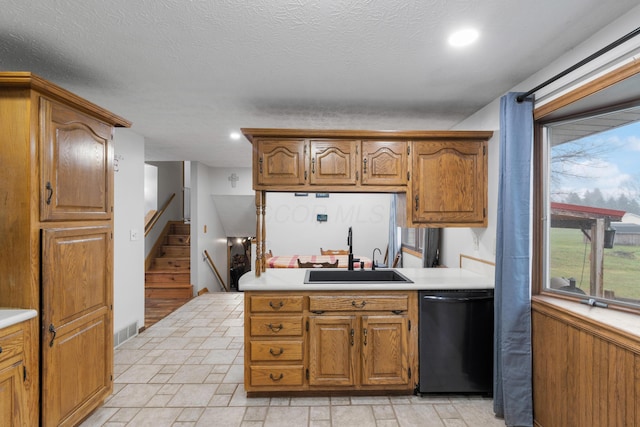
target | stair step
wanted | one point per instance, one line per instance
(175, 251)
(152, 276)
(166, 285)
(178, 240)
(184, 229)
(169, 293)
(171, 263)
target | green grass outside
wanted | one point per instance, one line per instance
(621, 272)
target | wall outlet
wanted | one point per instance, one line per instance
(133, 234)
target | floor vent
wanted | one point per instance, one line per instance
(124, 334)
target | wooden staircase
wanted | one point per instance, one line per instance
(168, 276)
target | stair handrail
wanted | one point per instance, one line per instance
(154, 219)
(215, 270)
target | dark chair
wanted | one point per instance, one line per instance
(317, 264)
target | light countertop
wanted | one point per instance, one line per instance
(11, 316)
(292, 279)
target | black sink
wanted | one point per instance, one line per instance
(354, 276)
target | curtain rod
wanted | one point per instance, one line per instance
(588, 59)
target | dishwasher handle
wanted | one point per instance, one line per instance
(433, 298)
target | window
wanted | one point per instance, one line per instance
(591, 207)
(412, 239)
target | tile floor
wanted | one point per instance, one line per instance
(187, 370)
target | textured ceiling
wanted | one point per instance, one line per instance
(188, 72)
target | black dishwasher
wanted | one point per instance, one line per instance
(456, 341)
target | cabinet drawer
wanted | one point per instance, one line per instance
(276, 304)
(359, 303)
(11, 345)
(277, 375)
(269, 326)
(273, 351)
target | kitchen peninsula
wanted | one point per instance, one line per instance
(352, 338)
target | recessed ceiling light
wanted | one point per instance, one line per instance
(463, 37)
(235, 136)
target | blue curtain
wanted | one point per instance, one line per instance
(393, 231)
(513, 395)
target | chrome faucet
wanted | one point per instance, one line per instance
(373, 258)
(351, 259)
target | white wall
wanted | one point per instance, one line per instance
(128, 272)
(206, 231)
(292, 227)
(481, 242)
(170, 180)
(221, 183)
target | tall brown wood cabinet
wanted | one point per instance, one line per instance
(56, 222)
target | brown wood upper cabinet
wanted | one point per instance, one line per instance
(440, 176)
(280, 162)
(384, 162)
(449, 186)
(334, 162)
(75, 165)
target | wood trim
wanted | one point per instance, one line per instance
(149, 225)
(588, 88)
(31, 81)
(411, 252)
(597, 329)
(251, 133)
(484, 261)
(584, 374)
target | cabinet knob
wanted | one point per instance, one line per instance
(0, 349)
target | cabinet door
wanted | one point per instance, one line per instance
(332, 345)
(384, 162)
(385, 350)
(333, 162)
(77, 164)
(449, 182)
(77, 336)
(12, 403)
(281, 162)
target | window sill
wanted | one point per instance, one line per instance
(626, 325)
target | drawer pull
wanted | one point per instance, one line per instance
(276, 354)
(0, 349)
(361, 305)
(275, 328)
(276, 306)
(365, 336)
(276, 379)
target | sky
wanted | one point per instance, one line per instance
(613, 165)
